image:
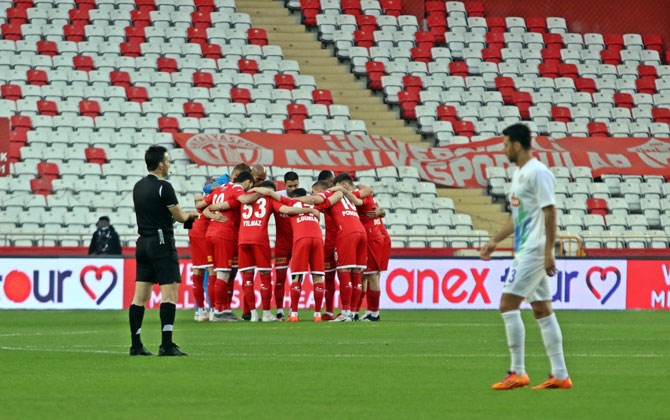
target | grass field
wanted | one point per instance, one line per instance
(412, 365)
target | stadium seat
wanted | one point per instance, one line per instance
(322, 96)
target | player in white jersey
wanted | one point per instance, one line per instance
(533, 222)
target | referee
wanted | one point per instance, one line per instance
(156, 206)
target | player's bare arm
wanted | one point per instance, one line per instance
(311, 199)
(364, 190)
(550, 229)
(291, 211)
(490, 246)
(267, 192)
(377, 212)
(218, 217)
(219, 206)
(248, 198)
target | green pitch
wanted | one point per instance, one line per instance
(413, 364)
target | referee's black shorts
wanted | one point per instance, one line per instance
(157, 263)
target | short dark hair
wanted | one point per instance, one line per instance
(299, 192)
(343, 177)
(243, 176)
(154, 156)
(268, 184)
(321, 185)
(290, 176)
(241, 167)
(324, 175)
(519, 133)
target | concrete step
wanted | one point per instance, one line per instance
(281, 37)
(320, 70)
(298, 50)
(259, 4)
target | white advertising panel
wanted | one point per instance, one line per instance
(61, 283)
(477, 284)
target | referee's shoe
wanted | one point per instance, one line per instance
(170, 350)
(140, 351)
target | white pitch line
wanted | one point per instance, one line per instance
(48, 333)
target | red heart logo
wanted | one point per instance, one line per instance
(603, 277)
(99, 271)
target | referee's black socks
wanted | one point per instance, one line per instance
(136, 315)
(168, 311)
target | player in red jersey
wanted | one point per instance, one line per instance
(202, 259)
(226, 201)
(350, 242)
(307, 247)
(329, 251)
(283, 243)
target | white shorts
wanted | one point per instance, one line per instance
(527, 277)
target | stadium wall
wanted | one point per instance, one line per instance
(410, 283)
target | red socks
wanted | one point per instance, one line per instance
(373, 299)
(280, 290)
(318, 296)
(356, 290)
(221, 295)
(295, 295)
(198, 290)
(330, 291)
(248, 290)
(266, 290)
(345, 289)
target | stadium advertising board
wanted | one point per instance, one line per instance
(67, 283)
(451, 166)
(652, 285)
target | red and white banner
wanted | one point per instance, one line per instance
(450, 166)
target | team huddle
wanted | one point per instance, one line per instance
(231, 235)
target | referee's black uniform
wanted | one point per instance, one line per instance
(156, 253)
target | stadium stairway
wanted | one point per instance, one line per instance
(485, 214)
(298, 44)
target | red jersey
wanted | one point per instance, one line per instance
(306, 225)
(226, 193)
(254, 221)
(331, 231)
(284, 230)
(344, 215)
(372, 224)
(200, 225)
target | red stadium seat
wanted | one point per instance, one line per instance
(367, 22)
(203, 79)
(284, 81)
(208, 6)
(447, 113)
(95, 155)
(197, 35)
(310, 8)
(247, 66)
(568, 70)
(11, 32)
(536, 24)
(474, 8)
(41, 186)
(47, 107)
(435, 8)
(257, 36)
(523, 101)
(146, 5)
(647, 85)
(19, 135)
(89, 108)
(292, 126)
(437, 25)
(168, 125)
(49, 48)
(647, 72)
(212, 51)
(85, 4)
(48, 170)
(37, 77)
(322, 96)
(610, 56)
(11, 92)
(79, 17)
(597, 206)
(552, 41)
(597, 129)
(140, 18)
(551, 56)
(496, 24)
(464, 128)
(130, 49)
(391, 7)
(408, 102)
(201, 19)
(661, 115)
(137, 94)
(653, 42)
(194, 109)
(459, 68)
(74, 33)
(240, 95)
(375, 70)
(505, 85)
(561, 114)
(421, 54)
(613, 42)
(495, 40)
(135, 34)
(364, 39)
(166, 64)
(548, 70)
(297, 112)
(586, 84)
(16, 15)
(119, 78)
(424, 39)
(20, 121)
(351, 7)
(83, 62)
(492, 55)
(412, 84)
(624, 100)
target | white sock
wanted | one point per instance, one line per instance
(374, 313)
(553, 342)
(267, 313)
(280, 311)
(516, 338)
(294, 313)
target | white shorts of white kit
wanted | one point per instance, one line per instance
(528, 278)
